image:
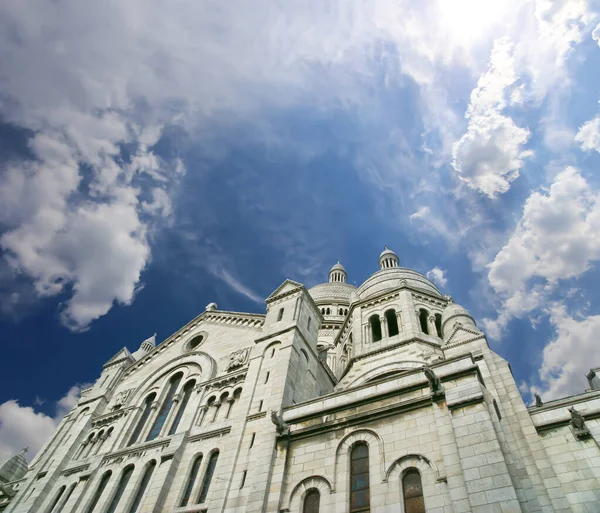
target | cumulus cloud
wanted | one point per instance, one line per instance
(22, 426)
(554, 240)
(570, 355)
(490, 154)
(588, 135)
(438, 276)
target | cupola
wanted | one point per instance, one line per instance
(388, 259)
(14, 468)
(337, 274)
(146, 346)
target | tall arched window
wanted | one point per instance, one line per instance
(165, 408)
(143, 419)
(123, 482)
(99, 491)
(139, 495)
(392, 322)
(375, 327)
(413, 492)
(359, 479)
(61, 490)
(423, 315)
(210, 470)
(66, 498)
(438, 325)
(312, 501)
(189, 486)
(187, 392)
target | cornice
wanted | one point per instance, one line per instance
(209, 434)
(135, 450)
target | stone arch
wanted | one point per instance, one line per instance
(407, 365)
(342, 456)
(296, 498)
(432, 481)
(272, 345)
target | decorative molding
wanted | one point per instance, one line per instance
(228, 380)
(256, 416)
(235, 319)
(135, 451)
(210, 434)
(381, 299)
(238, 358)
(75, 470)
(429, 299)
(108, 418)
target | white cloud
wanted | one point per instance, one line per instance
(438, 276)
(231, 281)
(22, 426)
(554, 240)
(588, 135)
(490, 154)
(596, 34)
(567, 359)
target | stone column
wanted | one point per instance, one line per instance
(432, 328)
(203, 409)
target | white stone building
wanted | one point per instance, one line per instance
(382, 398)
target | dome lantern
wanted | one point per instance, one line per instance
(388, 259)
(337, 274)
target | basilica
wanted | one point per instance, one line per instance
(382, 398)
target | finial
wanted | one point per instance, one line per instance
(385, 247)
(24, 450)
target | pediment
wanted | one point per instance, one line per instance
(121, 356)
(287, 287)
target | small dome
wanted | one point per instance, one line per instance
(385, 279)
(457, 312)
(337, 273)
(14, 468)
(332, 292)
(388, 259)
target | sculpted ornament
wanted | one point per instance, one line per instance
(577, 423)
(238, 359)
(281, 426)
(538, 399)
(434, 382)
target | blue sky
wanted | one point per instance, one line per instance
(158, 157)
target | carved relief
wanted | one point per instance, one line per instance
(122, 397)
(238, 359)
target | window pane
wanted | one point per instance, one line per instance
(143, 419)
(416, 505)
(210, 470)
(359, 482)
(359, 478)
(359, 499)
(360, 451)
(67, 497)
(191, 480)
(120, 489)
(312, 502)
(142, 489)
(187, 392)
(165, 408)
(413, 492)
(99, 491)
(359, 466)
(57, 498)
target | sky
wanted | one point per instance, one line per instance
(158, 156)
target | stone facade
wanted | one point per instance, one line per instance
(242, 412)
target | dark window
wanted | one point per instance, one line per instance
(67, 497)
(165, 408)
(267, 377)
(375, 327)
(423, 320)
(311, 501)
(328, 311)
(187, 392)
(143, 419)
(124, 481)
(243, 479)
(252, 439)
(191, 480)
(413, 492)
(195, 342)
(260, 405)
(139, 495)
(438, 325)
(392, 322)
(210, 470)
(61, 490)
(99, 491)
(359, 479)
(280, 315)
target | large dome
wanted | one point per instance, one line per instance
(396, 277)
(333, 291)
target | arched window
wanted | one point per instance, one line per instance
(143, 419)
(392, 322)
(190, 482)
(360, 500)
(280, 315)
(123, 482)
(99, 491)
(312, 501)
(187, 392)
(165, 408)
(210, 470)
(328, 311)
(195, 342)
(340, 311)
(66, 498)
(413, 492)
(423, 314)
(375, 327)
(61, 490)
(438, 325)
(139, 495)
